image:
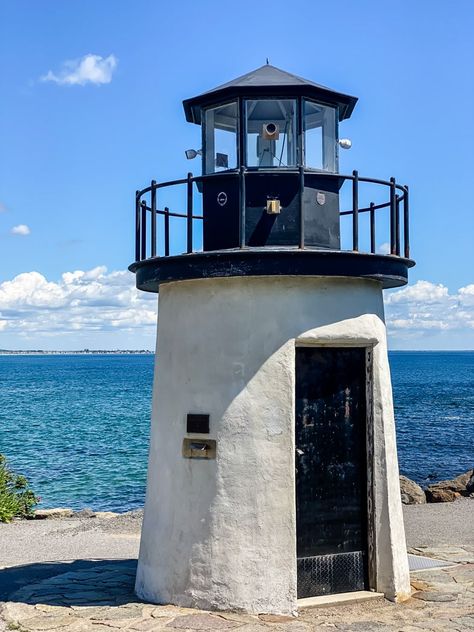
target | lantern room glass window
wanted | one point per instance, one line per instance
(220, 132)
(271, 133)
(320, 136)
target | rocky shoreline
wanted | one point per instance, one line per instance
(86, 519)
(65, 512)
(441, 492)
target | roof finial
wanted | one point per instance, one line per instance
(268, 63)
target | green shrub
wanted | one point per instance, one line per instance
(16, 497)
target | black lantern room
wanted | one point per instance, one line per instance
(270, 123)
(270, 187)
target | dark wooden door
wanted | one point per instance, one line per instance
(331, 470)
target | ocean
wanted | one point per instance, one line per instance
(78, 425)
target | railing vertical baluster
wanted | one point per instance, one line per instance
(137, 226)
(143, 226)
(189, 213)
(301, 187)
(153, 218)
(393, 204)
(372, 228)
(397, 225)
(406, 224)
(399, 244)
(243, 202)
(355, 211)
(167, 232)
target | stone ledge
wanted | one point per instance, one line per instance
(53, 514)
(338, 599)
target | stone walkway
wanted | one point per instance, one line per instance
(98, 597)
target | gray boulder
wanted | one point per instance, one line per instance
(412, 494)
(85, 513)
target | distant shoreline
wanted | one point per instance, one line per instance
(5, 352)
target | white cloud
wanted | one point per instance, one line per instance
(3, 207)
(384, 249)
(21, 229)
(467, 293)
(82, 301)
(88, 69)
(427, 308)
(421, 292)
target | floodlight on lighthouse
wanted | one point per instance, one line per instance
(192, 153)
(345, 143)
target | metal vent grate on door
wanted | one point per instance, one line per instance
(328, 574)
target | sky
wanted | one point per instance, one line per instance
(90, 111)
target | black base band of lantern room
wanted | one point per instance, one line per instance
(389, 271)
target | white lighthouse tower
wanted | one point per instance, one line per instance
(273, 472)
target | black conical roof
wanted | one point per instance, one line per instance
(267, 75)
(268, 81)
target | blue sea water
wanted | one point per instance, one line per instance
(78, 426)
(434, 413)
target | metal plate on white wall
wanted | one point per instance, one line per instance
(199, 448)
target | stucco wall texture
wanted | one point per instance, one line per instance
(221, 534)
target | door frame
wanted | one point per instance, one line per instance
(369, 442)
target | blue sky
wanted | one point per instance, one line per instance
(72, 154)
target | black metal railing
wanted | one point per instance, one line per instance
(146, 244)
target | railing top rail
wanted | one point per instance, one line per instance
(249, 171)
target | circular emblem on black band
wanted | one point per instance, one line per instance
(222, 198)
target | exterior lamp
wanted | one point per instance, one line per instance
(192, 153)
(345, 143)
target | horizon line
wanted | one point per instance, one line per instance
(117, 350)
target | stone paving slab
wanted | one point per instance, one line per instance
(100, 599)
(455, 554)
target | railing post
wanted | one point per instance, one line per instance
(137, 226)
(301, 187)
(189, 214)
(393, 203)
(406, 224)
(397, 225)
(372, 228)
(153, 218)
(143, 227)
(167, 232)
(243, 202)
(355, 211)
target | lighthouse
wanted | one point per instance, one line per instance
(273, 471)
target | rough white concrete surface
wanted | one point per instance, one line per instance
(220, 534)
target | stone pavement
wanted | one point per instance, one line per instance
(98, 597)
(456, 554)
